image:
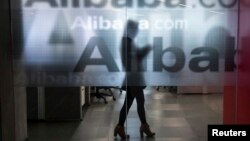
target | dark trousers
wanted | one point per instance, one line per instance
(133, 92)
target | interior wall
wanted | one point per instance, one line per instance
(13, 99)
(6, 91)
(237, 97)
(243, 85)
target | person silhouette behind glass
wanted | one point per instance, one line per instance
(132, 61)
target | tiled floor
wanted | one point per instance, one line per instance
(173, 117)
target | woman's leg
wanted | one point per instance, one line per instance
(126, 106)
(141, 112)
(139, 95)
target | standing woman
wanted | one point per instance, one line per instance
(132, 61)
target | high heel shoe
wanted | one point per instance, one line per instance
(121, 132)
(145, 129)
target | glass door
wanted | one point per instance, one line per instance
(157, 68)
